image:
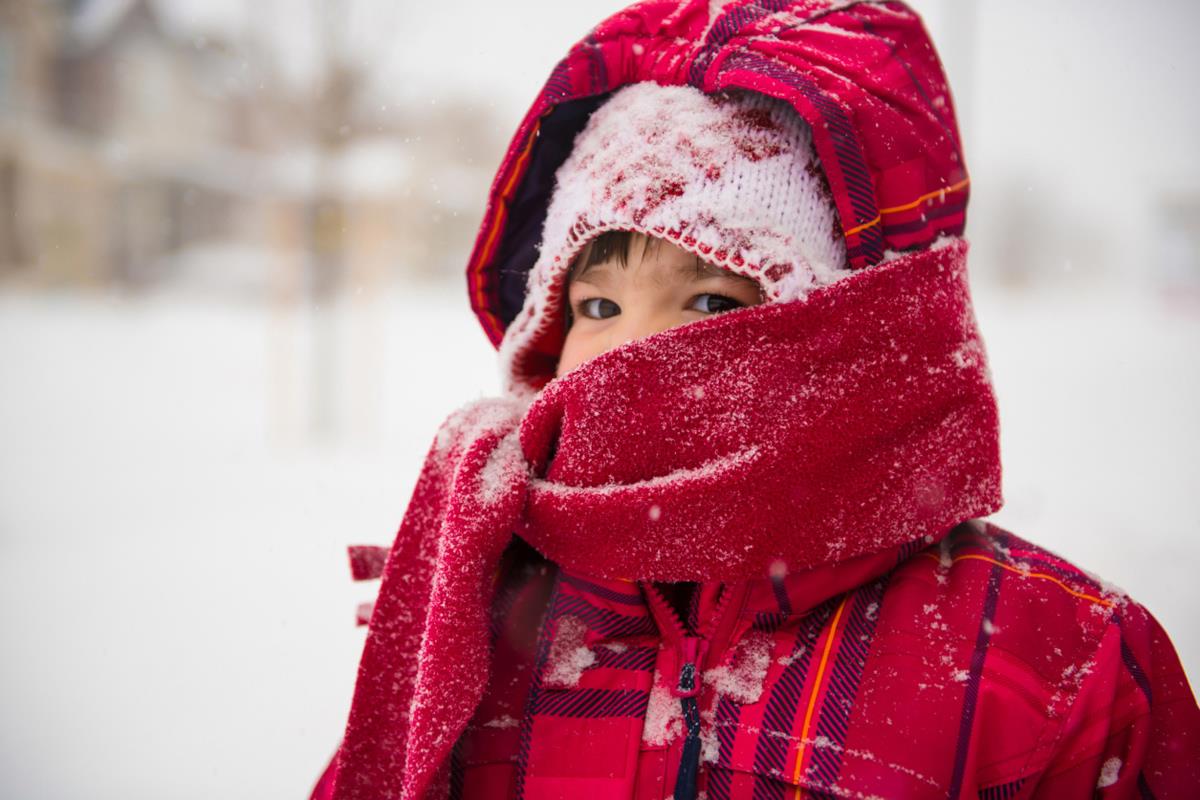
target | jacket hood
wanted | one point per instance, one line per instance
(863, 75)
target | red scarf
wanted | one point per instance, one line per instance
(791, 436)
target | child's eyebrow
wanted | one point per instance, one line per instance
(692, 269)
(599, 268)
(702, 269)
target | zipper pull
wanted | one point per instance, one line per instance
(691, 657)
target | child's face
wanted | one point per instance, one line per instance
(660, 287)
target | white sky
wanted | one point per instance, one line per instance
(1091, 98)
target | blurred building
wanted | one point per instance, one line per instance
(1177, 255)
(136, 153)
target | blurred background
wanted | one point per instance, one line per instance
(232, 314)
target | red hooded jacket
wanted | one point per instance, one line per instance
(981, 666)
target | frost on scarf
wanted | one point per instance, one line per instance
(709, 471)
(746, 388)
(505, 466)
(468, 423)
(489, 416)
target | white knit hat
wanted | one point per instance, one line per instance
(731, 178)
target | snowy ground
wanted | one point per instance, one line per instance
(176, 615)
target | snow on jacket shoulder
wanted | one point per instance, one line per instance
(981, 667)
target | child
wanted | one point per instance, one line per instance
(721, 537)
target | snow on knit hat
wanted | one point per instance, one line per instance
(730, 177)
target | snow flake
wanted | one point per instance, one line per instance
(742, 678)
(569, 655)
(504, 721)
(664, 717)
(968, 354)
(710, 743)
(945, 562)
(786, 661)
(1109, 773)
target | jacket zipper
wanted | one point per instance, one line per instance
(693, 651)
(689, 761)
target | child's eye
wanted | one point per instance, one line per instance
(599, 308)
(714, 303)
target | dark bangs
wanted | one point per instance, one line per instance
(606, 246)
